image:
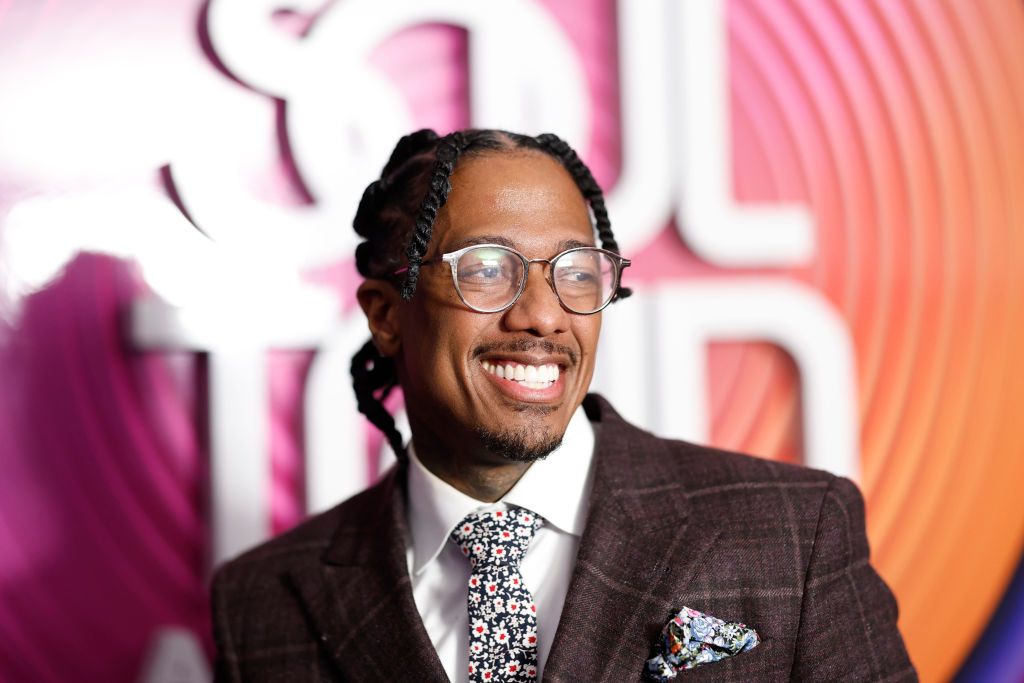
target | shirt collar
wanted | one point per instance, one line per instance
(557, 488)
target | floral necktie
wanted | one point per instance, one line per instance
(502, 616)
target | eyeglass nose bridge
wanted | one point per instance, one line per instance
(526, 278)
(547, 278)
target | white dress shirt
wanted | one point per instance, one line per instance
(556, 488)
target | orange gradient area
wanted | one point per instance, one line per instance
(899, 125)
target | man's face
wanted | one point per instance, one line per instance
(450, 354)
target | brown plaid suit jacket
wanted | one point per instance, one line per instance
(778, 547)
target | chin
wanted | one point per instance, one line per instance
(520, 445)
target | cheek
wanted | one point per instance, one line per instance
(588, 330)
(438, 342)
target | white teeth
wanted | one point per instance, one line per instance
(530, 376)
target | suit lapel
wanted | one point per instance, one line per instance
(638, 551)
(359, 596)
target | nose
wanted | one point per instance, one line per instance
(538, 311)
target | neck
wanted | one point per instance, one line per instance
(468, 466)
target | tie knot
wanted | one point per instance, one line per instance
(496, 537)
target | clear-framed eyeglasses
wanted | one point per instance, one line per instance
(491, 277)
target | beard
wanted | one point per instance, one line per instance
(520, 445)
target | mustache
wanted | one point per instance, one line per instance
(526, 346)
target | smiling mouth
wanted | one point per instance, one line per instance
(529, 376)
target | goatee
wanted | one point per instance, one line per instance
(520, 445)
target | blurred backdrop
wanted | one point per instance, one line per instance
(822, 201)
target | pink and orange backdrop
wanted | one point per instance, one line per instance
(822, 200)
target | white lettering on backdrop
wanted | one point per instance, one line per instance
(676, 163)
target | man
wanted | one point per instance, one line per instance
(483, 294)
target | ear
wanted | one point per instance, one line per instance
(380, 302)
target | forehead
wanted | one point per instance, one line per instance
(526, 198)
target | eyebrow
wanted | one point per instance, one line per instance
(505, 242)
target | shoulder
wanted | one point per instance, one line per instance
(778, 546)
(260, 617)
(710, 476)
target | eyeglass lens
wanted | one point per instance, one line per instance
(489, 278)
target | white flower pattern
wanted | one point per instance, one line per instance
(502, 616)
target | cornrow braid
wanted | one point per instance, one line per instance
(440, 184)
(385, 210)
(396, 215)
(373, 373)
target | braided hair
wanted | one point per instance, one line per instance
(397, 214)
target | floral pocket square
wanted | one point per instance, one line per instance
(692, 638)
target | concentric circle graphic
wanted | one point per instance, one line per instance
(896, 124)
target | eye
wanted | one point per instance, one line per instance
(577, 276)
(482, 271)
(488, 266)
(579, 270)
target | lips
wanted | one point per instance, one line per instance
(528, 371)
(526, 375)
